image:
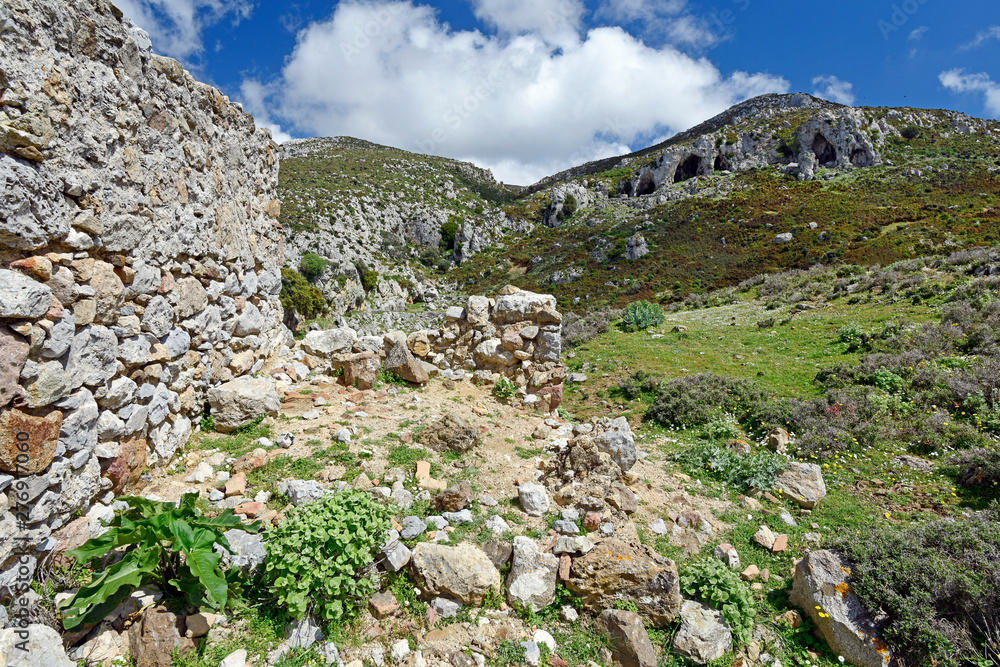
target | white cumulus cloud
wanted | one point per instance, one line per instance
(175, 26)
(526, 102)
(834, 89)
(956, 80)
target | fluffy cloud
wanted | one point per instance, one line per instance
(526, 102)
(175, 26)
(666, 19)
(253, 95)
(958, 81)
(555, 21)
(833, 89)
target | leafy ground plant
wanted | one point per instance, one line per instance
(322, 557)
(167, 545)
(750, 471)
(640, 315)
(504, 388)
(711, 582)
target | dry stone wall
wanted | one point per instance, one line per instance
(516, 335)
(139, 260)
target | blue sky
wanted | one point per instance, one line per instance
(529, 87)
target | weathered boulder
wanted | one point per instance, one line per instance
(703, 636)
(802, 482)
(822, 589)
(629, 640)
(532, 578)
(534, 498)
(240, 401)
(361, 370)
(462, 572)
(329, 342)
(616, 439)
(157, 636)
(450, 433)
(623, 571)
(33, 646)
(455, 498)
(521, 306)
(399, 361)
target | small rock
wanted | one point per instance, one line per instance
(383, 604)
(534, 499)
(728, 555)
(764, 537)
(413, 527)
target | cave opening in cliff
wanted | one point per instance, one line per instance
(826, 154)
(647, 184)
(722, 163)
(688, 169)
(860, 158)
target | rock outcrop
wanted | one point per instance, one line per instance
(139, 236)
(822, 588)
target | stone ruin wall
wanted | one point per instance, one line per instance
(516, 335)
(139, 260)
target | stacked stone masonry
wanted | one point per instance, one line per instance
(516, 335)
(139, 260)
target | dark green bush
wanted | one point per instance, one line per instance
(312, 266)
(937, 584)
(298, 295)
(638, 384)
(568, 208)
(369, 277)
(449, 231)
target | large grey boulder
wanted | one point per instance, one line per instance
(44, 647)
(616, 439)
(620, 571)
(21, 297)
(400, 361)
(462, 572)
(703, 635)
(521, 306)
(532, 578)
(803, 483)
(822, 589)
(248, 551)
(329, 342)
(302, 491)
(240, 401)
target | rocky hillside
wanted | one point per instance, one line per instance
(364, 206)
(775, 183)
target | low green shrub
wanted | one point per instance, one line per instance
(744, 471)
(312, 266)
(640, 315)
(698, 399)
(504, 388)
(712, 582)
(167, 545)
(639, 384)
(321, 559)
(937, 583)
